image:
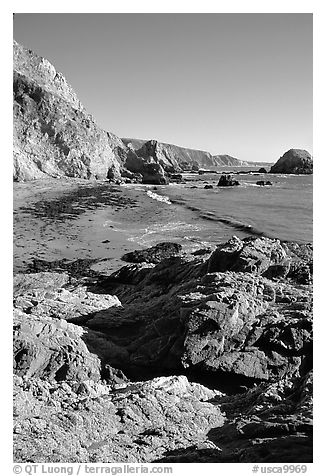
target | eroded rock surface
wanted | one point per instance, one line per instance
(267, 424)
(155, 254)
(294, 161)
(54, 136)
(239, 319)
(75, 421)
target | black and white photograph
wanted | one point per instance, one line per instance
(162, 240)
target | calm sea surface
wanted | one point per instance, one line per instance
(198, 216)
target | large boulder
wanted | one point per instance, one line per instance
(249, 255)
(52, 349)
(149, 167)
(227, 181)
(294, 161)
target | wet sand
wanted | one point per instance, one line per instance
(55, 220)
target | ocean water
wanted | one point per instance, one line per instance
(197, 217)
(185, 213)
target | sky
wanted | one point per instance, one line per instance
(237, 84)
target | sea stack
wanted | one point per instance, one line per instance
(294, 161)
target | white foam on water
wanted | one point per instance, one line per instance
(159, 198)
(149, 234)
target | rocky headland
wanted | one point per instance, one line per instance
(194, 358)
(294, 161)
(175, 158)
(55, 137)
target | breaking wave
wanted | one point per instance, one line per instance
(159, 198)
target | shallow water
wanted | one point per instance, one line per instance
(199, 216)
(93, 227)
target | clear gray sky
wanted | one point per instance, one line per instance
(237, 84)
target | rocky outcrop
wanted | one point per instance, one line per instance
(230, 314)
(269, 423)
(53, 135)
(263, 182)
(73, 421)
(239, 321)
(176, 159)
(294, 161)
(52, 349)
(155, 254)
(227, 181)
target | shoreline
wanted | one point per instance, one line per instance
(54, 220)
(73, 219)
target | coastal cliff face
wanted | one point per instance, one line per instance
(53, 134)
(294, 161)
(176, 159)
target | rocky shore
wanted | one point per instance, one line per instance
(203, 356)
(194, 358)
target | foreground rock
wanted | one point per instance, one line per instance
(239, 320)
(245, 312)
(271, 423)
(76, 421)
(294, 161)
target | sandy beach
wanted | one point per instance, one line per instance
(55, 220)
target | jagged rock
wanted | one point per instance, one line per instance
(226, 323)
(271, 423)
(249, 255)
(227, 181)
(239, 329)
(51, 349)
(208, 186)
(43, 294)
(150, 169)
(39, 284)
(155, 254)
(218, 315)
(132, 422)
(294, 161)
(262, 170)
(131, 274)
(53, 135)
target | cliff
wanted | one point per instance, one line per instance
(53, 134)
(175, 159)
(294, 161)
